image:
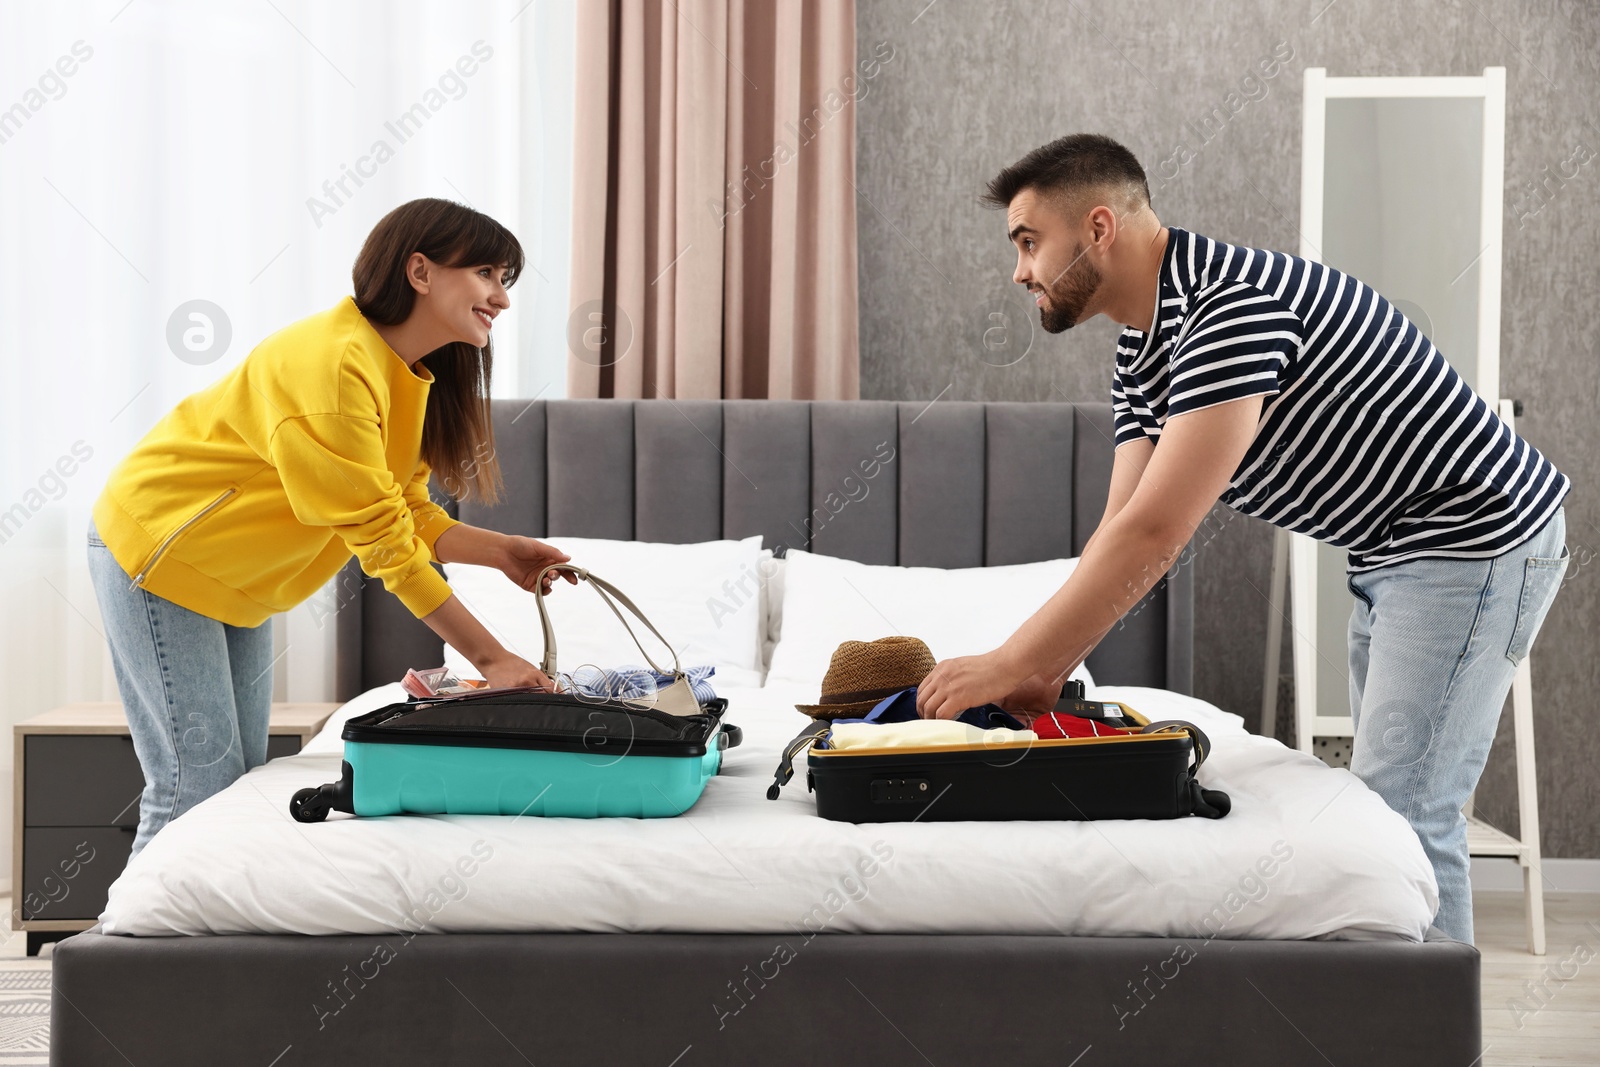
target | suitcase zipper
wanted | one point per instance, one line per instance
(166, 543)
(383, 724)
(489, 695)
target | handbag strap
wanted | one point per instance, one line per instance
(606, 592)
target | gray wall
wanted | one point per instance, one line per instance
(974, 84)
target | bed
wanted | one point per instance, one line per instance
(692, 943)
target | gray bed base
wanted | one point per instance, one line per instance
(690, 1000)
(968, 485)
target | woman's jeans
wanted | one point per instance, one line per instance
(1434, 644)
(197, 692)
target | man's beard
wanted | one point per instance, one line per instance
(1066, 299)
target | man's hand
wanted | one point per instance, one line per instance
(1034, 697)
(522, 558)
(965, 682)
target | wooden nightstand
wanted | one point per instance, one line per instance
(76, 809)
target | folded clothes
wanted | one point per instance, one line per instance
(920, 732)
(1057, 724)
(902, 707)
(633, 683)
(893, 722)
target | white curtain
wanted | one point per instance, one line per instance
(161, 152)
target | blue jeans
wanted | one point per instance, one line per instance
(1434, 644)
(197, 692)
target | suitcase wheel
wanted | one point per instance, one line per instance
(313, 805)
(310, 805)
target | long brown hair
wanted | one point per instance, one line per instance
(457, 434)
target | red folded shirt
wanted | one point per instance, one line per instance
(1057, 724)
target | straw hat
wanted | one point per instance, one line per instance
(861, 673)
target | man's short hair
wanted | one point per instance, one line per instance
(1072, 164)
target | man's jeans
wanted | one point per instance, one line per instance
(1434, 644)
(197, 692)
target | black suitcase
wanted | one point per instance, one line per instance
(1145, 771)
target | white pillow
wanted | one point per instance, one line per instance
(962, 612)
(771, 567)
(704, 598)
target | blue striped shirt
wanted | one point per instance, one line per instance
(1368, 439)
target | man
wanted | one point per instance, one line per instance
(1297, 394)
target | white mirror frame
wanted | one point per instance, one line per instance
(1298, 550)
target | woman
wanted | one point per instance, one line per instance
(249, 495)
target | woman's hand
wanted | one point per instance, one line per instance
(966, 682)
(522, 558)
(508, 670)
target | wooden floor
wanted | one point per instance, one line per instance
(1538, 1011)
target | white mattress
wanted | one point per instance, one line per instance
(1308, 852)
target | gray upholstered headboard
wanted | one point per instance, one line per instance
(968, 484)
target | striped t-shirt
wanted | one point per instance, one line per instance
(1368, 439)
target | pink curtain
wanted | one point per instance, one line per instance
(714, 227)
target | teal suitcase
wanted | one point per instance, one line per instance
(528, 751)
(523, 752)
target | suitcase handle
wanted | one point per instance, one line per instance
(802, 741)
(1202, 743)
(1207, 803)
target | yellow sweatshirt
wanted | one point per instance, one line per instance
(250, 494)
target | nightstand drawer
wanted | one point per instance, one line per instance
(80, 780)
(90, 780)
(67, 870)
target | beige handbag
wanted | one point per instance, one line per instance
(675, 699)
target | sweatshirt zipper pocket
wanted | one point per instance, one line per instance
(138, 579)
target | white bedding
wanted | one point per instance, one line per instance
(1307, 852)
